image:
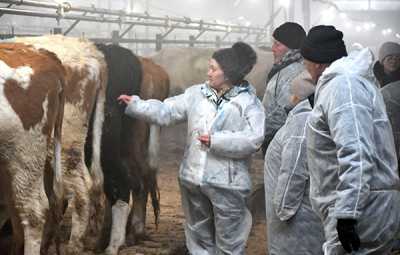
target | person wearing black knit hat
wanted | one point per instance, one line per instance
(236, 62)
(287, 39)
(225, 127)
(350, 148)
(290, 34)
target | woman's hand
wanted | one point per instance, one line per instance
(205, 139)
(124, 99)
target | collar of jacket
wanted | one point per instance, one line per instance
(301, 107)
(290, 57)
(212, 95)
(358, 63)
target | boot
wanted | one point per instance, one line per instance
(120, 211)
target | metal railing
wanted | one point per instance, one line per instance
(128, 20)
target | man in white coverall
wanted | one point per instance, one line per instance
(354, 185)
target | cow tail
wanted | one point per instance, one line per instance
(57, 180)
(154, 149)
(154, 146)
(155, 198)
(96, 169)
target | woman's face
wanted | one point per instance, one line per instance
(391, 63)
(215, 74)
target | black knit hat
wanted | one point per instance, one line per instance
(290, 34)
(236, 62)
(323, 44)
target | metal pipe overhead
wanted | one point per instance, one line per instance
(150, 41)
(123, 15)
(109, 20)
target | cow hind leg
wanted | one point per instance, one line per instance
(30, 220)
(3, 216)
(119, 190)
(105, 230)
(32, 236)
(17, 247)
(80, 223)
(137, 218)
(52, 225)
(120, 211)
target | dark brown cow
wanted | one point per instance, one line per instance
(144, 150)
(124, 76)
(31, 109)
(129, 150)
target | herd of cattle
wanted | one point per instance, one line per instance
(66, 145)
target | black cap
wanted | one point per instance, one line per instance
(323, 44)
(236, 62)
(290, 34)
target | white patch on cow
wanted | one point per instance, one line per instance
(154, 146)
(120, 212)
(96, 169)
(45, 110)
(8, 118)
(93, 67)
(57, 181)
(22, 75)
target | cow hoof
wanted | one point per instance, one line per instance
(142, 236)
(130, 239)
(111, 251)
(73, 249)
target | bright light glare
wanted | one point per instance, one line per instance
(328, 15)
(387, 31)
(284, 3)
(343, 15)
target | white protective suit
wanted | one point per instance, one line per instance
(292, 226)
(351, 156)
(214, 181)
(391, 96)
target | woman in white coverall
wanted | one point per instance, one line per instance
(225, 127)
(292, 226)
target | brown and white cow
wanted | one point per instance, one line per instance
(188, 66)
(85, 86)
(31, 110)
